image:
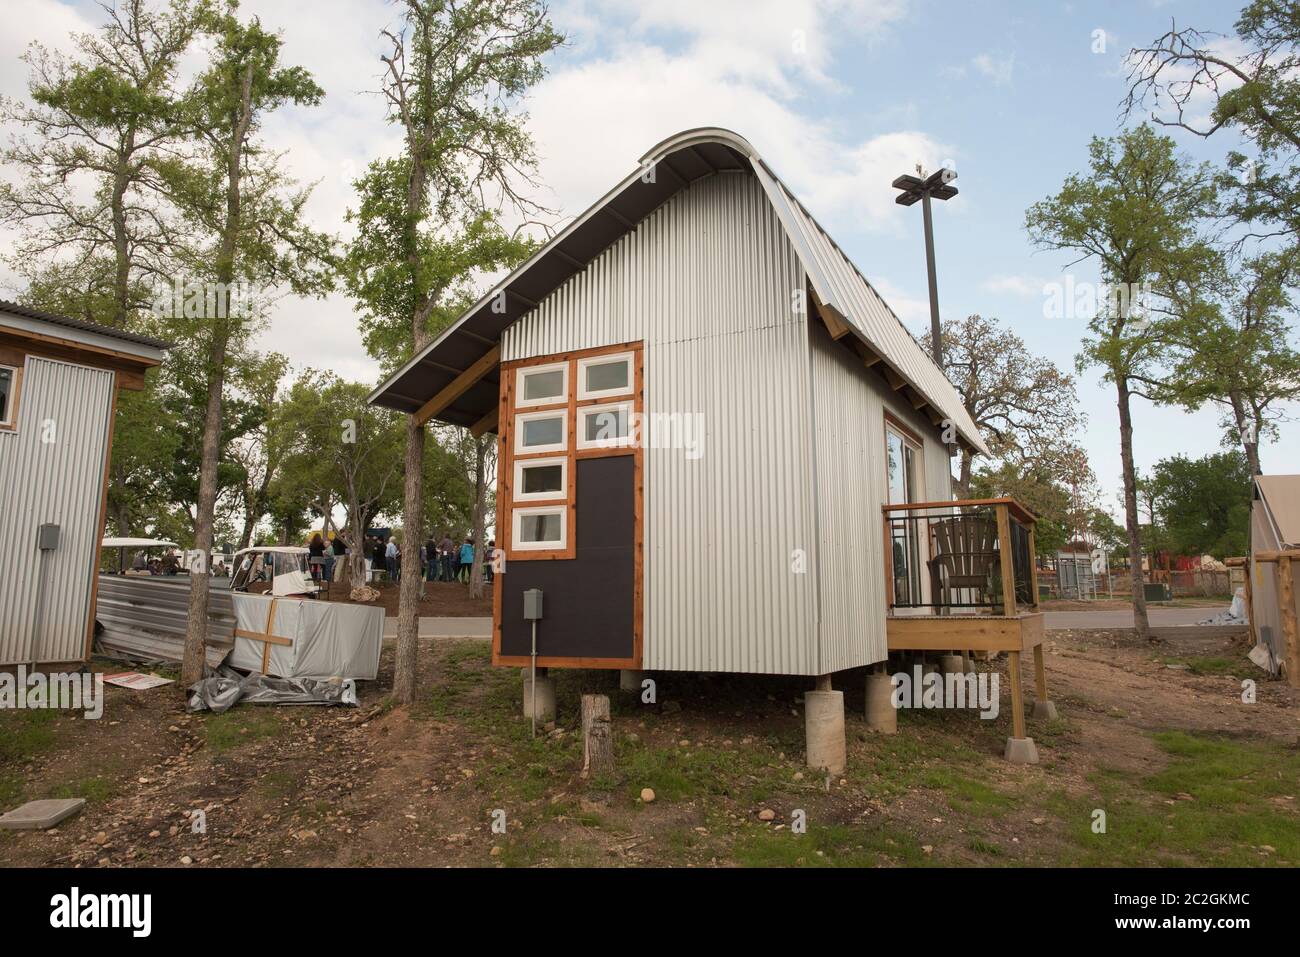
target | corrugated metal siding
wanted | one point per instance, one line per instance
(849, 405)
(708, 282)
(59, 482)
(839, 284)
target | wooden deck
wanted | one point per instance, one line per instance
(1019, 632)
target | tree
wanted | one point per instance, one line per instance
(1239, 357)
(1137, 214)
(88, 207)
(234, 194)
(1255, 91)
(1204, 504)
(425, 218)
(344, 450)
(1017, 400)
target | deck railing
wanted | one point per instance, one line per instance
(966, 557)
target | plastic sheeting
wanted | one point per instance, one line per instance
(223, 689)
(327, 640)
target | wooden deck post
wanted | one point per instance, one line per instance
(1007, 563)
(1020, 747)
(1286, 601)
(1017, 696)
(1044, 707)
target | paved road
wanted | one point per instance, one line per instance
(446, 628)
(1158, 617)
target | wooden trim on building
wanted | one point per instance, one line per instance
(507, 457)
(130, 369)
(103, 522)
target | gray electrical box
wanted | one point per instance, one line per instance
(47, 538)
(533, 604)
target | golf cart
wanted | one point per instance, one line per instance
(283, 567)
(140, 549)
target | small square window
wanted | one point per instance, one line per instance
(540, 432)
(605, 426)
(542, 385)
(540, 479)
(604, 376)
(8, 395)
(538, 529)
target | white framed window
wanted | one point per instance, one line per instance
(8, 395)
(541, 432)
(603, 377)
(542, 528)
(540, 480)
(605, 426)
(542, 385)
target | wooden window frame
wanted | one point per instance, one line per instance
(523, 372)
(555, 412)
(605, 445)
(523, 511)
(15, 396)
(534, 498)
(628, 391)
(506, 481)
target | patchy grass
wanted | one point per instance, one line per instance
(1210, 806)
(240, 727)
(1211, 664)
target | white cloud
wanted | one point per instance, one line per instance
(998, 69)
(630, 75)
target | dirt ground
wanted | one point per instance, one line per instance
(1156, 738)
(441, 599)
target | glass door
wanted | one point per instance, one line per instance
(905, 531)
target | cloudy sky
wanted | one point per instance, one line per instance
(840, 96)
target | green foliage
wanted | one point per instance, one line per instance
(1204, 504)
(397, 273)
(1137, 213)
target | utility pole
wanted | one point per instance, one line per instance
(936, 185)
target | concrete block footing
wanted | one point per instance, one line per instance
(882, 716)
(545, 696)
(1021, 751)
(629, 680)
(41, 815)
(951, 665)
(824, 729)
(1044, 711)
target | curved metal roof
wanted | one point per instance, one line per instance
(665, 170)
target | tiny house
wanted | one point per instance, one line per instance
(720, 450)
(59, 380)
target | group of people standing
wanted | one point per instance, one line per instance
(326, 553)
(441, 559)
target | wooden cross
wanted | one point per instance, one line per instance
(267, 638)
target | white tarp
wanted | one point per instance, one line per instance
(328, 640)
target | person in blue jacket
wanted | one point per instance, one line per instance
(466, 560)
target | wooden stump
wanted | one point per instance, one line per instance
(597, 736)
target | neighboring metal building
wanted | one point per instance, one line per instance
(743, 382)
(59, 379)
(1274, 549)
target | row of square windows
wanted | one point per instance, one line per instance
(605, 425)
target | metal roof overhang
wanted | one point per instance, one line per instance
(676, 163)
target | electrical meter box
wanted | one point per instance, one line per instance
(533, 604)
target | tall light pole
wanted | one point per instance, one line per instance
(938, 185)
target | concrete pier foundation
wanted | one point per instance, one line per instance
(824, 727)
